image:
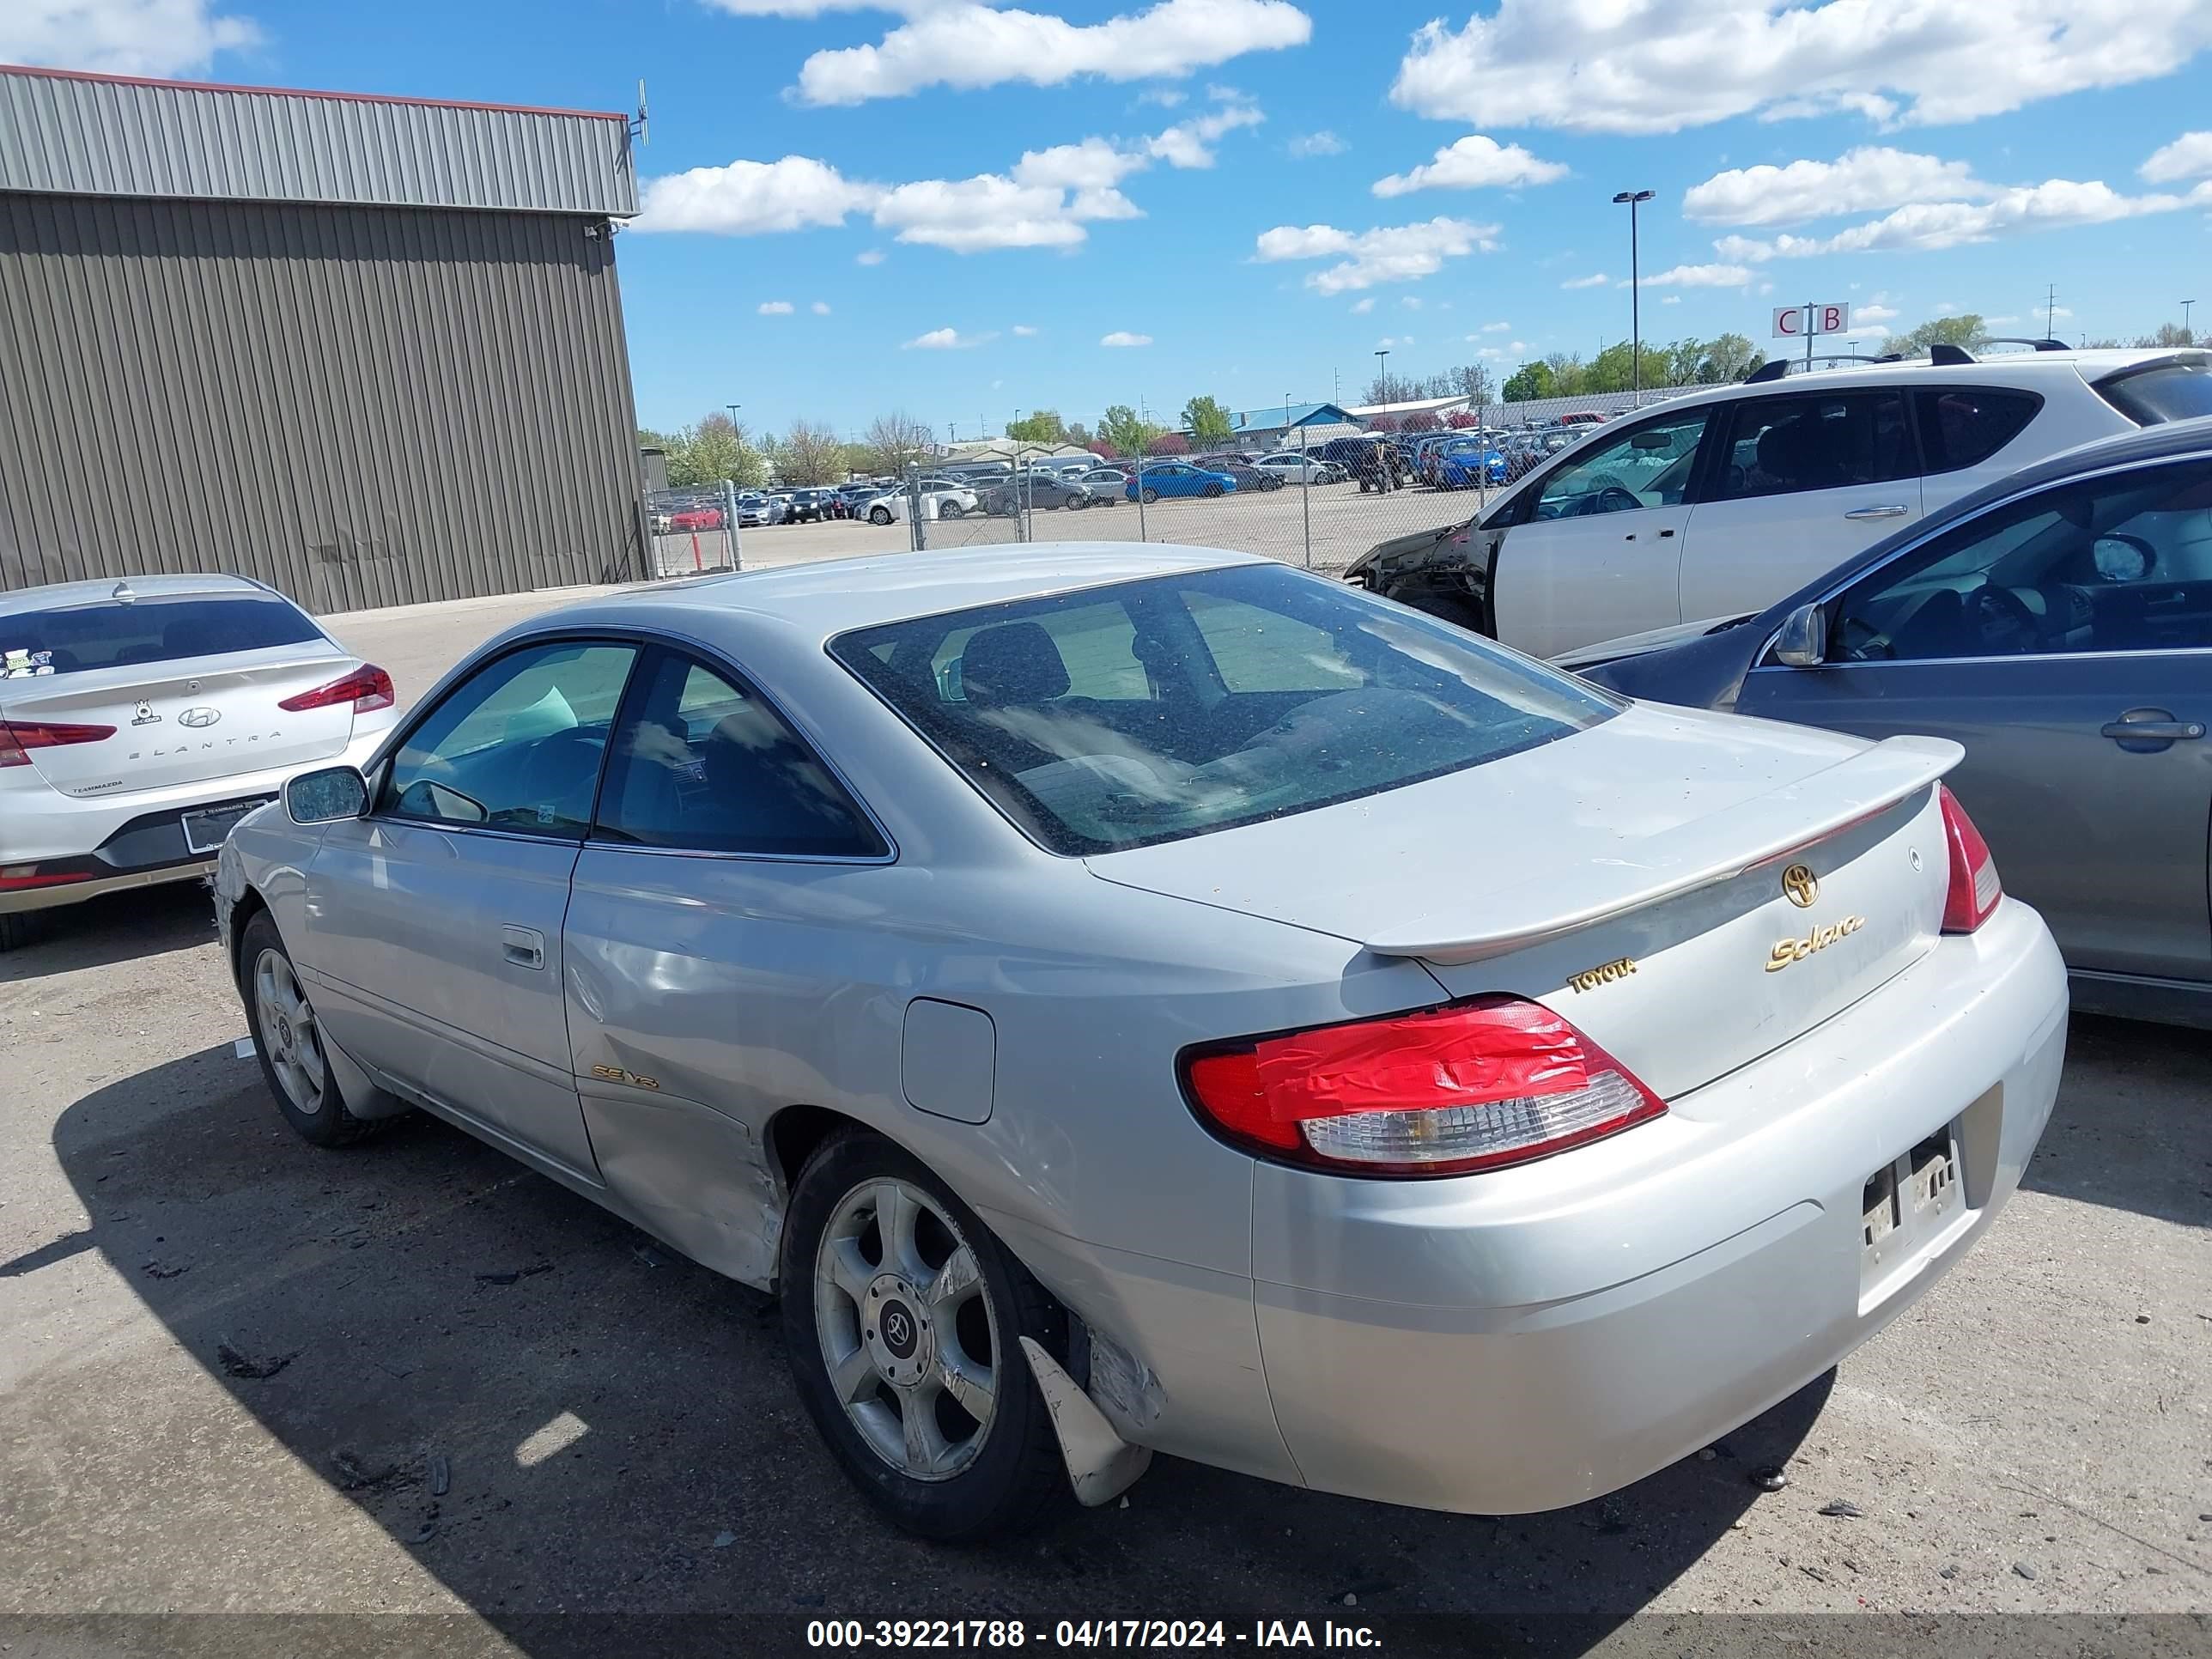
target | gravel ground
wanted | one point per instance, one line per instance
(238, 1372)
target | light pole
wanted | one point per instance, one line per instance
(2185, 304)
(1634, 198)
(1383, 374)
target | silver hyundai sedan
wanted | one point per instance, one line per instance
(1133, 998)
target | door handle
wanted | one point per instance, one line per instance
(1862, 513)
(2154, 725)
(522, 946)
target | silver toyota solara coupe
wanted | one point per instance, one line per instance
(1134, 998)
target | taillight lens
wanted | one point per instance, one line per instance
(1975, 888)
(18, 736)
(1497, 1081)
(367, 688)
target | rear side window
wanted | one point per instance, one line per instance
(115, 633)
(703, 764)
(2165, 391)
(1964, 426)
(1783, 445)
(1148, 711)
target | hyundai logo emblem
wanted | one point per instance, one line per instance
(197, 718)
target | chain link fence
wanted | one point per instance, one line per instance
(1317, 499)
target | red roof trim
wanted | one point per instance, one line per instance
(299, 92)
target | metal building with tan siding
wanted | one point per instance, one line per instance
(367, 350)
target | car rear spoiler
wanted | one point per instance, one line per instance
(1691, 855)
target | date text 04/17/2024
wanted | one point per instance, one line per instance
(1004, 1634)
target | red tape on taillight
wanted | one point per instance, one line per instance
(1489, 1083)
(18, 736)
(367, 688)
(1975, 888)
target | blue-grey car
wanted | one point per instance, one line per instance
(1130, 998)
(2058, 624)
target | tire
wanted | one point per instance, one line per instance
(21, 928)
(1445, 607)
(950, 510)
(1077, 503)
(1212, 491)
(1149, 496)
(834, 1299)
(289, 1046)
(879, 515)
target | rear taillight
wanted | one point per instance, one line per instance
(1975, 888)
(1495, 1081)
(367, 688)
(18, 736)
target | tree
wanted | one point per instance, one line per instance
(1128, 432)
(810, 454)
(1725, 360)
(1388, 388)
(1965, 331)
(1472, 381)
(893, 439)
(1078, 434)
(1383, 423)
(1420, 421)
(1103, 450)
(1043, 426)
(2169, 334)
(1460, 419)
(1529, 382)
(1207, 422)
(1170, 443)
(713, 449)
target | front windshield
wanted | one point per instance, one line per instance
(1147, 711)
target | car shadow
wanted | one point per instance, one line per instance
(2139, 1137)
(145, 922)
(550, 1411)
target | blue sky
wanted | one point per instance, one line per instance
(979, 196)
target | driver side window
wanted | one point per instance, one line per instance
(1648, 465)
(2118, 563)
(516, 745)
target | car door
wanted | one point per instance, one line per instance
(718, 947)
(1801, 482)
(2065, 639)
(434, 920)
(1596, 547)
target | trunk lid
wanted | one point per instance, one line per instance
(193, 720)
(1631, 876)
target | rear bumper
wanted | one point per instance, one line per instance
(1532, 1339)
(75, 849)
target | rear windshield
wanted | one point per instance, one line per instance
(115, 633)
(2165, 392)
(1148, 711)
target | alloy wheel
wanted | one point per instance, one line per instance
(907, 1334)
(289, 1033)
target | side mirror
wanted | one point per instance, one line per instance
(328, 796)
(1803, 640)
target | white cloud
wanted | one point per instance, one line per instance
(2054, 204)
(1323, 143)
(1411, 301)
(1697, 277)
(1643, 66)
(820, 307)
(987, 211)
(748, 198)
(1123, 338)
(1023, 331)
(1596, 279)
(946, 339)
(121, 37)
(1672, 299)
(1361, 308)
(1397, 253)
(2188, 156)
(1392, 342)
(1497, 328)
(965, 43)
(1857, 181)
(1165, 97)
(1475, 163)
(2060, 311)
(1094, 164)
(775, 307)
(2001, 322)
(1189, 144)
(870, 256)
(1874, 314)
